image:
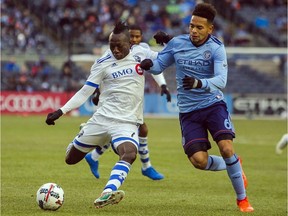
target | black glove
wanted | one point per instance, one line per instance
(95, 98)
(162, 37)
(164, 90)
(51, 117)
(191, 82)
(146, 64)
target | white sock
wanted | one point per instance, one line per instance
(117, 177)
(97, 152)
(144, 153)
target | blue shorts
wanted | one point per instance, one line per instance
(196, 124)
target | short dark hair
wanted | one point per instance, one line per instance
(205, 10)
(121, 27)
(135, 27)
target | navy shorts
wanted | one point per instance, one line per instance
(195, 126)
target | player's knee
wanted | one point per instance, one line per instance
(199, 165)
(69, 161)
(68, 152)
(72, 160)
(226, 148)
(73, 155)
(129, 157)
(226, 152)
(199, 162)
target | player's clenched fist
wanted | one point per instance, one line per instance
(162, 37)
(191, 83)
(146, 64)
(165, 90)
(51, 117)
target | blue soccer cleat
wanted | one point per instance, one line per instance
(152, 174)
(93, 165)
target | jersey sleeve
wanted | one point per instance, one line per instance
(160, 79)
(95, 78)
(220, 71)
(150, 54)
(78, 99)
(164, 59)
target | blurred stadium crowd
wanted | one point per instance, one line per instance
(66, 27)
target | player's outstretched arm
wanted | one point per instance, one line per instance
(76, 101)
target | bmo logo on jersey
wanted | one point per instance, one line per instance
(127, 71)
(124, 72)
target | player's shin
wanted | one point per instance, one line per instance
(235, 174)
(118, 175)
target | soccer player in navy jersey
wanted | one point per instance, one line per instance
(117, 120)
(201, 73)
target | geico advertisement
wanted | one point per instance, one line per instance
(45, 102)
(34, 103)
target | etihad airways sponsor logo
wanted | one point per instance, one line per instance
(196, 62)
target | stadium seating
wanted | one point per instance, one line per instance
(69, 27)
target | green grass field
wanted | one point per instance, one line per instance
(32, 154)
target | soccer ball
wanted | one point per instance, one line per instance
(50, 196)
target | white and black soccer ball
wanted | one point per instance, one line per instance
(50, 196)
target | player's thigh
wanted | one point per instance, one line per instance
(127, 151)
(219, 123)
(199, 159)
(74, 155)
(124, 132)
(143, 130)
(226, 148)
(194, 133)
(91, 136)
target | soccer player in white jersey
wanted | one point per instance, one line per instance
(147, 169)
(116, 121)
(201, 72)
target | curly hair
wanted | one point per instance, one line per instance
(205, 10)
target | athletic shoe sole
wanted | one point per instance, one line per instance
(114, 198)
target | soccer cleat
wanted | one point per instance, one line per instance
(152, 174)
(109, 198)
(243, 175)
(93, 165)
(244, 205)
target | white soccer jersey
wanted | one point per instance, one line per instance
(122, 84)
